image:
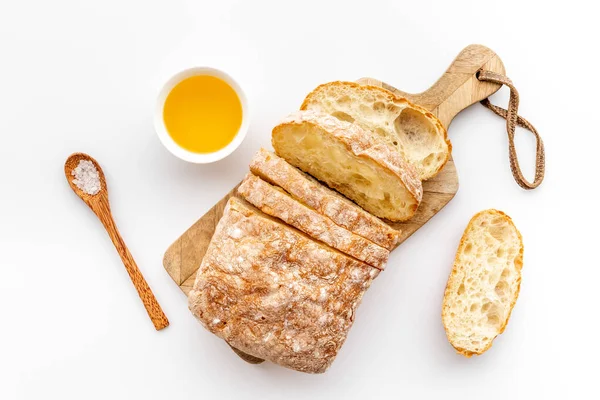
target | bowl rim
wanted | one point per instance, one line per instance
(167, 140)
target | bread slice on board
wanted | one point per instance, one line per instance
(320, 198)
(274, 293)
(351, 160)
(484, 284)
(277, 203)
(413, 131)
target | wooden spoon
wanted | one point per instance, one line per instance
(100, 206)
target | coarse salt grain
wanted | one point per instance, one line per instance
(87, 177)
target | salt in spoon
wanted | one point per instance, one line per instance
(100, 206)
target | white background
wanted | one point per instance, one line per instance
(83, 76)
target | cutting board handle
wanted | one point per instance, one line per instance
(459, 87)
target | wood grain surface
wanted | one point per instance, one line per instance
(101, 207)
(457, 89)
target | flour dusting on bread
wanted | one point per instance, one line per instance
(299, 320)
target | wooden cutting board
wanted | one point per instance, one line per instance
(457, 89)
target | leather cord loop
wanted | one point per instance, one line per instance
(512, 120)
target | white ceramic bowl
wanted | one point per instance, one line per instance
(167, 140)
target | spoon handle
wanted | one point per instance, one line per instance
(156, 314)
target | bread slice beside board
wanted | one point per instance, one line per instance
(413, 131)
(484, 284)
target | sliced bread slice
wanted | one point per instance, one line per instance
(412, 130)
(351, 160)
(484, 284)
(277, 203)
(317, 196)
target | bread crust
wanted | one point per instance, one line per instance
(279, 204)
(361, 144)
(327, 202)
(276, 294)
(391, 97)
(453, 276)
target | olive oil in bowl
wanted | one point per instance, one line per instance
(202, 115)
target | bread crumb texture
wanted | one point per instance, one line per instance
(352, 161)
(484, 283)
(411, 130)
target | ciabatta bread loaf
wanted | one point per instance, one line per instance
(413, 131)
(327, 202)
(484, 283)
(277, 203)
(351, 160)
(274, 293)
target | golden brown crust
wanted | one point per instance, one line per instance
(279, 204)
(453, 276)
(327, 202)
(276, 294)
(392, 97)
